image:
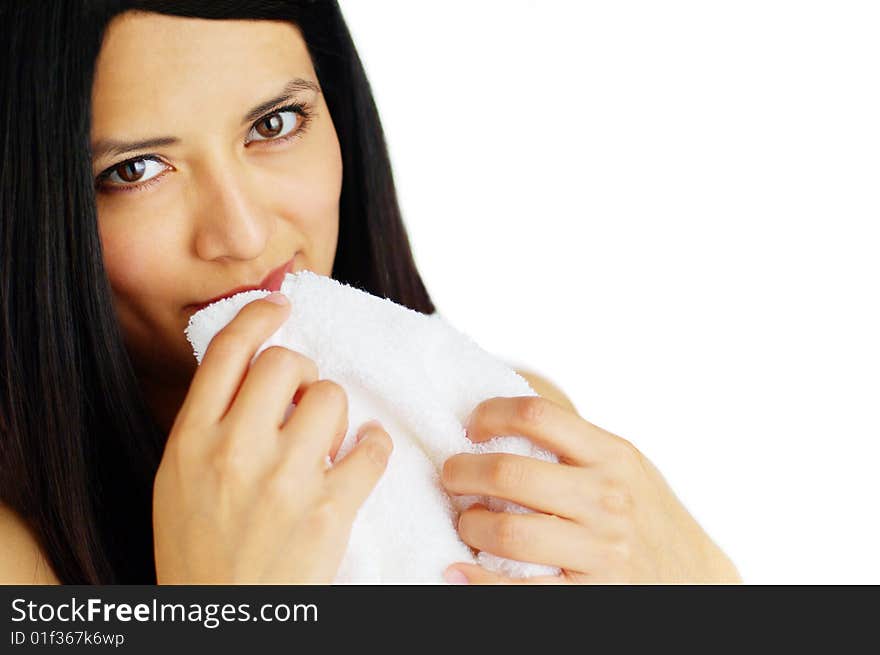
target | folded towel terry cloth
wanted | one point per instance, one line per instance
(421, 378)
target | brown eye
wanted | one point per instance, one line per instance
(131, 171)
(275, 125)
(270, 126)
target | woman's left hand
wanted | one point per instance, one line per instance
(604, 513)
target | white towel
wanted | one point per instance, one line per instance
(421, 378)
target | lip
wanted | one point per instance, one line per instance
(272, 282)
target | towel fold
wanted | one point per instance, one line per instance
(421, 378)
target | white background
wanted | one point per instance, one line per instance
(670, 210)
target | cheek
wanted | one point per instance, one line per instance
(131, 256)
(306, 189)
(146, 286)
(318, 213)
(124, 270)
(311, 176)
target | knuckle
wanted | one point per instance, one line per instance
(464, 524)
(506, 473)
(307, 366)
(615, 497)
(248, 319)
(295, 359)
(506, 531)
(281, 490)
(224, 344)
(449, 471)
(628, 453)
(624, 536)
(278, 356)
(231, 464)
(286, 359)
(583, 492)
(185, 422)
(184, 451)
(530, 410)
(331, 392)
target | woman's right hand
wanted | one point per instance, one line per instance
(240, 498)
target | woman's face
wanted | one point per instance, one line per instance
(237, 186)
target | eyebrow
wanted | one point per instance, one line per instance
(112, 147)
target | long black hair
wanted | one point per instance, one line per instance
(79, 448)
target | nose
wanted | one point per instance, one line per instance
(231, 220)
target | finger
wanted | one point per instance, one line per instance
(365, 427)
(353, 478)
(545, 423)
(227, 359)
(463, 573)
(533, 483)
(319, 420)
(270, 385)
(536, 538)
(336, 444)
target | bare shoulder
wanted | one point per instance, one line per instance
(543, 387)
(23, 561)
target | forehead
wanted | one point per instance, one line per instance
(154, 67)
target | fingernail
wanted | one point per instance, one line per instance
(277, 297)
(454, 576)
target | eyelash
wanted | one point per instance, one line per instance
(303, 109)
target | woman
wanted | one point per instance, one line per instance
(156, 158)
